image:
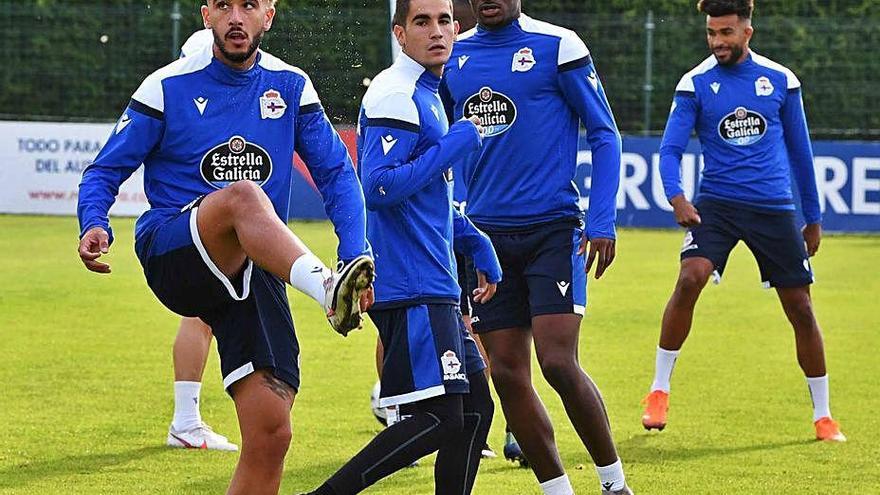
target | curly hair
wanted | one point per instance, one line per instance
(717, 8)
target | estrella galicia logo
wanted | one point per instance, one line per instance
(236, 160)
(742, 127)
(496, 110)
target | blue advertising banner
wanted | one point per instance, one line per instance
(847, 175)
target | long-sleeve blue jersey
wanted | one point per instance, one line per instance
(750, 121)
(406, 151)
(197, 125)
(531, 82)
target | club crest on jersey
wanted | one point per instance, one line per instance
(272, 106)
(496, 111)
(523, 60)
(742, 127)
(763, 86)
(236, 160)
(451, 366)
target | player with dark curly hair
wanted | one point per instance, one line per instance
(750, 120)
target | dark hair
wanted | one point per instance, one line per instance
(401, 12)
(717, 8)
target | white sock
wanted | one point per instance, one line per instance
(663, 366)
(558, 486)
(186, 405)
(611, 477)
(308, 274)
(819, 395)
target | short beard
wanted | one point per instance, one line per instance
(735, 54)
(238, 58)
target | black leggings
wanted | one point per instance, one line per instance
(454, 426)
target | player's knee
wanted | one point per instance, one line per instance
(800, 313)
(561, 371)
(272, 439)
(509, 375)
(691, 282)
(245, 194)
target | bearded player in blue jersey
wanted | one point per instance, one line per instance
(216, 132)
(431, 368)
(532, 83)
(749, 116)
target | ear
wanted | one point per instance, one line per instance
(457, 28)
(400, 34)
(270, 16)
(206, 16)
(749, 31)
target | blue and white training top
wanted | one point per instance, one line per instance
(406, 150)
(531, 83)
(750, 121)
(198, 125)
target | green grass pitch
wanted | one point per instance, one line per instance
(86, 379)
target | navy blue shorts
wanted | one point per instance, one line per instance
(543, 274)
(428, 352)
(467, 280)
(771, 235)
(249, 314)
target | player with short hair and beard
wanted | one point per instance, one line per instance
(531, 83)
(216, 132)
(431, 368)
(749, 117)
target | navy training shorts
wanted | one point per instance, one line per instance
(771, 235)
(543, 274)
(249, 314)
(428, 352)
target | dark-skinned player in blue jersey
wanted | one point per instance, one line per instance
(532, 84)
(749, 116)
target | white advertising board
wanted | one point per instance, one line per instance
(41, 164)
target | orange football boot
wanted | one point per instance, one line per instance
(656, 406)
(828, 430)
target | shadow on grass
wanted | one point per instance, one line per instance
(21, 474)
(648, 448)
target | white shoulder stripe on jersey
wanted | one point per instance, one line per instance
(467, 34)
(687, 81)
(571, 47)
(791, 79)
(390, 95)
(198, 41)
(151, 93)
(273, 63)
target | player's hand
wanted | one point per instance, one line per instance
(812, 236)
(484, 291)
(478, 124)
(686, 214)
(368, 297)
(601, 250)
(94, 243)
